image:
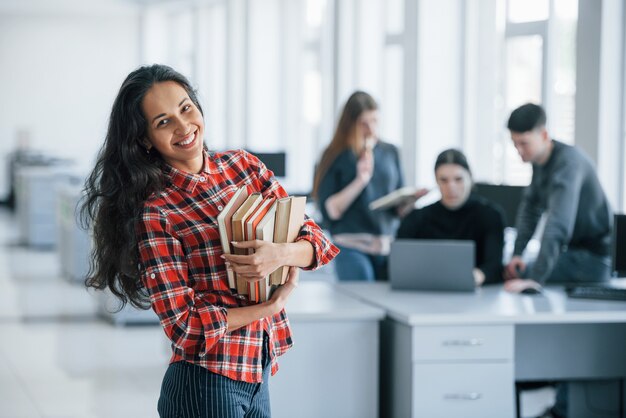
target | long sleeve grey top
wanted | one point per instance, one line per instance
(358, 218)
(578, 214)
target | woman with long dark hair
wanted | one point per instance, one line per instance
(152, 201)
(461, 215)
(355, 169)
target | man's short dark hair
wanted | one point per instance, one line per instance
(526, 118)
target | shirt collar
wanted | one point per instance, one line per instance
(188, 181)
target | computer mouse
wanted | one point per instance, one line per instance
(530, 291)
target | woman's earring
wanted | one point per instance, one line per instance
(148, 151)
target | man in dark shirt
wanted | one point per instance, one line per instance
(565, 189)
(576, 237)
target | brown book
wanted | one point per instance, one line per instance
(254, 219)
(265, 289)
(265, 227)
(238, 221)
(225, 227)
(261, 290)
(289, 220)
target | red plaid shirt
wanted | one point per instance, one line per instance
(185, 276)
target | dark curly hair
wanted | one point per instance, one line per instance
(124, 176)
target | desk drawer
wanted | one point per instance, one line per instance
(493, 342)
(463, 390)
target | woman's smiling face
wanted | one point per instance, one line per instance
(175, 126)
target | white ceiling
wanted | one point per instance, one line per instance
(52, 7)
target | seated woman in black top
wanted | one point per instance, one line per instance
(461, 215)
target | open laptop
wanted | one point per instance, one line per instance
(432, 265)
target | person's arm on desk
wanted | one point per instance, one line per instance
(519, 285)
(515, 268)
(513, 282)
(562, 205)
(479, 276)
(528, 216)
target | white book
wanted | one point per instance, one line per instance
(395, 198)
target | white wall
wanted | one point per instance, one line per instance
(611, 107)
(599, 107)
(59, 75)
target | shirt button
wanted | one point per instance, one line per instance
(220, 207)
(202, 178)
(152, 276)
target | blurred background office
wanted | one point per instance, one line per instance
(272, 76)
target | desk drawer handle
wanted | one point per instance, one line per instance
(472, 396)
(472, 342)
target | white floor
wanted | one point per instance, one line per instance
(59, 359)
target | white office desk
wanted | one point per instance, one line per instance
(332, 369)
(459, 354)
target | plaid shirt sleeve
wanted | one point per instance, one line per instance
(192, 324)
(324, 250)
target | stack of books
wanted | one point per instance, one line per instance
(247, 217)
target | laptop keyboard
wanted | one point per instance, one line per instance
(597, 292)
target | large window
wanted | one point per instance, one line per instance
(539, 66)
(273, 74)
(622, 149)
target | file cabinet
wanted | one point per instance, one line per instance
(36, 202)
(453, 354)
(447, 371)
(74, 243)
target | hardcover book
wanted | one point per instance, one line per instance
(262, 290)
(238, 221)
(289, 220)
(225, 227)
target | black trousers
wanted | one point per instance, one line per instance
(190, 391)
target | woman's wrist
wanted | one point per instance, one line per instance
(359, 183)
(298, 254)
(241, 317)
(268, 308)
(284, 252)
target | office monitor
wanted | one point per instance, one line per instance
(507, 197)
(618, 252)
(275, 161)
